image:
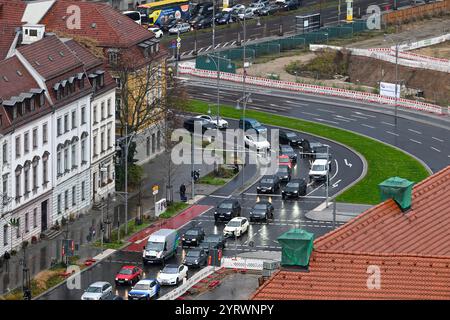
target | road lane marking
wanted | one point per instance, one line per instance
(217, 46)
(311, 114)
(342, 117)
(323, 120)
(415, 131)
(364, 114)
(352, 115)
(387, 123)
(208, 48)
(435, 149)
(415, 141)
(394, 134)
(232, 44)
(200, 50)
(366, 125)
(437, 139)
(326, 111)
(297, 103)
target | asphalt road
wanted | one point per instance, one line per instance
(269, 26)
(423, 136)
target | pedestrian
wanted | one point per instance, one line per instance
(183, 192)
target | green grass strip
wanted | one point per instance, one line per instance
(383, 161)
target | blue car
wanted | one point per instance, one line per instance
(145, 290)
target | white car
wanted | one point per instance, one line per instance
(254, 7)
(319, 170)
(97, 291)
(172, 274)
(258, 143)
(157, 31)
(180, 28)
(236, 227)
(247, 13)
(221, 124)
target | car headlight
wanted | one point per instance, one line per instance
(295, 191)
(194, 239)
(195, 261)
(117, 279)
(183, 239)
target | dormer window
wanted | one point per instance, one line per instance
(41, 100)
(101, 80)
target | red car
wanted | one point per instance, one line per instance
(285, 161)
(128, 275)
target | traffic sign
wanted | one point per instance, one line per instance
(178, 39)
(155, 189)
(178, 45)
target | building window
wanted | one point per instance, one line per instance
(35, 138)
(66, 123)
(27, 227)
(45, 170)
(44, 133)
(35, 182)
(18, 178)
(59, 204)
(35, 218)
(83, 115)
(58, 126)
(66, 199)
(5, 153)
(41, 100)
(26, 143)
(17, 147)
(112, 57)
(94, 115)
(74, 156)
(148, 146)
(27, 180)
(102, 110)
(109, 138)
(74, 196)
(94, 146)
(74, 119)
(83, 151)
(118, 83)
(82, 190)
(18, 228)
(109, 107)
(158, 139)
(5, 235)
(58, 162)
(153, 143)
(102, 142)
(5, 189)
(66, 159)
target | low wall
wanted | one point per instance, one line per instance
(406, 14)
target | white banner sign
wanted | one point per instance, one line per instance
(388, 89)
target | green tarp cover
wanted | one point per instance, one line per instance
(297, 245)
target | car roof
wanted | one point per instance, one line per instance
(195, 228)
(172, 265)
(128, 267)
(262, 202)
(99, 284)
(238, 219)
(268, 177)
(320, 161)
(297, 181)
(146, 281)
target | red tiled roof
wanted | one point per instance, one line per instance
(112, 29)
(50, 57)
(16, 84)
(11, 12)
(344, 276)
(89, 60)
(412, 250)
(385, 228)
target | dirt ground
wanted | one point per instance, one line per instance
(438, 51)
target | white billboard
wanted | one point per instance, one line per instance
(388, 89)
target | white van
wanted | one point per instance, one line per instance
(161, 245)
(319, 170)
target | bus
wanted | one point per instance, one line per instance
(156, 13)
(134, 15)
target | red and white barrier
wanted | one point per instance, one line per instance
(314, 89)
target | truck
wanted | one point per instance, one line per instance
(161, 245)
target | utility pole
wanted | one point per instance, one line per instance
(127, 144)
(334, 214)
(192, 168)
(328, 175)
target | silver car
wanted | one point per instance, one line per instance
(180, 28)
(97, 291)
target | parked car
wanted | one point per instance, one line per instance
(284, 160)
(261, 1)
(206, 22)
(236, 227)
(192, 237)
(255, 6)
(145, 290)
(212, 241)
(319, 170)
(256, 143)
(180, 28)
(321, 151)
(287, 150)
(252, 124)
(284, 173)
(194, 20)
(223, 17)
(157, 31)
(287, 5)
(97, 291)
(246, 13)
(269, 9)
(172, 274)
(227, 210)
(262, 210)
(294, 189)
(161, 245)
(128, 275)
(268, 184)
(196, 258)
(222, 124)
(189, 124)
(168, 24)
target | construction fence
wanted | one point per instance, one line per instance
(406, 14)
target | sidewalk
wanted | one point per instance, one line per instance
(344, 212)
(40, 255)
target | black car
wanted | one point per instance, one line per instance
(195, 258)
(189, 124)
(192, 237)
(287, 150)
(284, 173)
(289, 5)
(227, 210)
(196, 19)
(262, 210)
(289, 137)
(223, 18)
(294, 189)
(269, 9)
(268, 184)
(212, 241)
(203, 23)
(168, 24)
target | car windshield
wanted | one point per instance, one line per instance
(318, 167)
(212, 238)
(93, 289)
(191, 232)
(255, 123)
(226, 205)
(234, 224)
(156, 246)
(293, 185)
(141, 286)
(193, 253)
(170, 270)
(126, 271)
(287, 149)
(260, 206)
(291, 135)
(267, 180)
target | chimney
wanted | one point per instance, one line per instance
(32, 33)
(296, 248)
(398, 189)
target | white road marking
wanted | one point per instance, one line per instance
(233, 43)
(208, 48)
(217, 46)
(219, 196)
(366, 125)
(312, 114)
(440, 140)
(394, 134)
(415, 141)
(387, 123)
(225, 44)
(415, 131)
(297, 103)
(326, 111)
(435, 149)
(341, 117)
(323, 120)
(360, 117)
(364, 114)
(200, 50)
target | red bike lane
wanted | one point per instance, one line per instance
(140, 239)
